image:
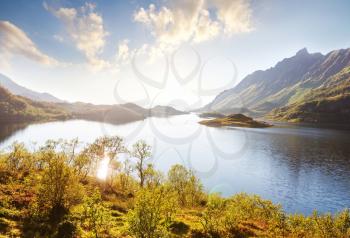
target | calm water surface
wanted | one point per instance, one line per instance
(299, 167)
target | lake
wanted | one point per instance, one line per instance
(300, 167)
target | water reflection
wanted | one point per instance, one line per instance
(6, 130)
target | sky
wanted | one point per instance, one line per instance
(169, 52)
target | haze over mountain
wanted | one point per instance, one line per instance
(25, 92)
(289, 84)
(19, 109)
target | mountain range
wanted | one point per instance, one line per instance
(303, 88)
(19, 90)
(21, 105)
(18, 109)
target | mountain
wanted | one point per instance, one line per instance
(164, 111)
(329, 103)
(25, 92)
(19, 104)
(293, 84)
(17, 109)
(116, 114)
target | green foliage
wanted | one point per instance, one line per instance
(153, 212)
(53, 192)
(212, 219)
(188, 188)
(141, 151)
(227, 217)
(94, 217)
(59, 188)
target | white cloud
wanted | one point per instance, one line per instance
(85, 28)
(123, 52)
(195, 20)
(234, 14)
(206, 28)
(14, 41)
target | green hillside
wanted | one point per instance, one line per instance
(303, 88)
(330, 103)
(53, 192)
(15, 109)
(18, 109)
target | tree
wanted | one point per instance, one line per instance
(126, 181)
(19, 158)
(141, 151)
(212, 218)
(102, 147)
(59, 188)
(186, 185)
(82, 164)
(152, 214)
(152, 177)
(94, 217)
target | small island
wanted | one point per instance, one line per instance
(238, 120)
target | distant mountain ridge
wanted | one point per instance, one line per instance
(19, 109)
(289, 83)
(16, 89)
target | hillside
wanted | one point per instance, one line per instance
(15, 109)
(328, 103)
(164, 111)
(19, 90)
(53, 192)
(115, 114)
(288, 85)
(18, 109)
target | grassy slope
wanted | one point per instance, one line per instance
(329, 103)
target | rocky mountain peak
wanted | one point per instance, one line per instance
(303, 51)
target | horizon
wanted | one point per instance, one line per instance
(109, 53)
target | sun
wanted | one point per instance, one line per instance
(102, 170)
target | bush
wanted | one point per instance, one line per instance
(188, 188)
(152, 214)
(94, 217)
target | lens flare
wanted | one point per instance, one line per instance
(102, 170)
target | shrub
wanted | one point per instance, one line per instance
(152, 214)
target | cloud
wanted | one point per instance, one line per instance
(206, 28)
(195, 20)
(85, 28)
(235, 15)
(14, 41)
(123, 52)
